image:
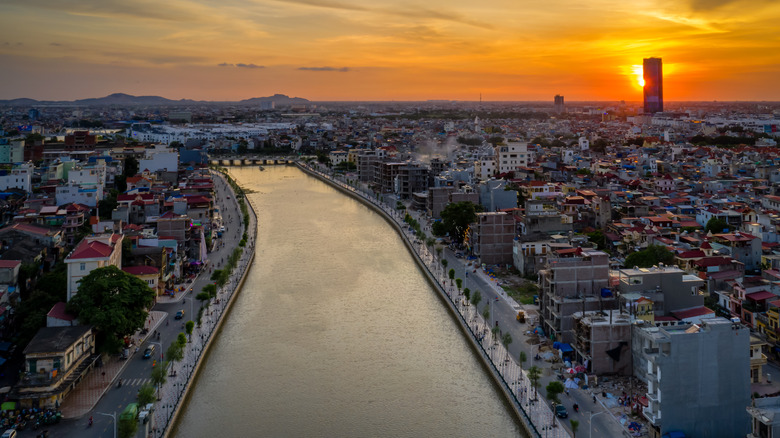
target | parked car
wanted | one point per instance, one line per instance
(179, 314)
(10, 433)
(561, 412)
(149, 351)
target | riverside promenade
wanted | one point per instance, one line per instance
(534, 414)
(177, 387)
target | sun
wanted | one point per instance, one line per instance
(638, 72)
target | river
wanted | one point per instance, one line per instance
(336, 332)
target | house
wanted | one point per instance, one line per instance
(97, 251)
(148, 274)
(55, 361)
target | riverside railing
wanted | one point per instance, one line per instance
(539, 416)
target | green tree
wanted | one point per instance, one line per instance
(127, 427)
(189, 327)
(467, 293)
(716, 225)
(444, 263)
(113, 301)
(451, 274)
(456, 218)
(506, 340)
(598, 238)
(202, 297)
(181, 339)
(486, 313)
(459, 283)
(652, 255)
(554, 388)
(522, 358)
(534, 373)
(476, 298)
(495, 331)
(146, 395)
(159, 375)
(108, 204)
(575, 425)
(131, 166)
(221, 276)
(175, 352)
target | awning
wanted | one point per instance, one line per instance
(564, 347)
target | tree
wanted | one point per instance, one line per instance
(159, 375)
(652, 255)
(534, 373)
(202, 296)
(175, 352)
(456, 218)
(506, 340)
(108, 204)
(444, 263)
(522, 358)
(476, 298)
(575, 425)
(451, 274)
(181, 339)
(598, 238)
(459, 284)
(146, 395)
(113, 301)
(467, 293)
(220, 276)
(127, 427)
(716, 225)
(495, 331)
(189, 327)
(486, 313)
(553, 389)
(131, 166)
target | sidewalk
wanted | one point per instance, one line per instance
(88, 392)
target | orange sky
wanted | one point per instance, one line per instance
(388, 50)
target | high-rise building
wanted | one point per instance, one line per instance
(652, 73)
(559, 104)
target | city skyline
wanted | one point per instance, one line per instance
(341, 50)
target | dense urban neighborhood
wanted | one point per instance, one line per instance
(642, 248)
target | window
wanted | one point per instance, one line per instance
(83, 266)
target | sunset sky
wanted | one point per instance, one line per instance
(388, 50)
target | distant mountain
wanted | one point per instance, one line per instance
(121, 99)
(278, 99)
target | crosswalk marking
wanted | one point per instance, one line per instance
(137, 382)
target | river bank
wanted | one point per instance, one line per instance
(508, 376)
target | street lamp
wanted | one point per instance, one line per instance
(590, 431)
(113, 417)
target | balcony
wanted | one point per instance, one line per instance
(653, 417)
(651, 350)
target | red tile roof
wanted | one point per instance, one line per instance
(90, 250)
(691, 313)
(760, 295)
(141, 270)
(58, 311)
(10, 264)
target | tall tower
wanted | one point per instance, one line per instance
(652, 73)
(559, 104)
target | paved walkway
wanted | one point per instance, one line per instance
(87, 393)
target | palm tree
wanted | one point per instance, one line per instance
(534, 373)
(574, 426)
(522, 358)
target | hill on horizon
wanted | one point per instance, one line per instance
(122, 99)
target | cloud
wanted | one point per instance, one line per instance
(250, 66)
(55, 44)
(342, 69)
(225, 64)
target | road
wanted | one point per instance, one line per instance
(137, 370)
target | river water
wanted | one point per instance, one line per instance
(336, 333)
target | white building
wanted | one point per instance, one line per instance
(511, 156)
(97, 251)
(160, 158)
(88, 195)
(20, 177)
